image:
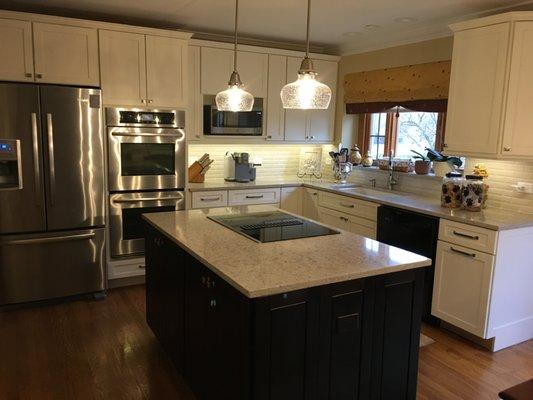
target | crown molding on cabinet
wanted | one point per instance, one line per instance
(52, 19)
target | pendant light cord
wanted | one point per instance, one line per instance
(236, 25)
(308, 25)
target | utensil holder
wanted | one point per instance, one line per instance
(195, 173)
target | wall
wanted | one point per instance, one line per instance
(279, 161)
(416, 53)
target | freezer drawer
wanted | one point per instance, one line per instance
(45, 266)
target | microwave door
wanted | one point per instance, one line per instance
(22, 208)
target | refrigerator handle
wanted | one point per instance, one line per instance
(55, 239)
(51, 159)
(36, 166)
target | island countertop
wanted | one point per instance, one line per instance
(263, 269)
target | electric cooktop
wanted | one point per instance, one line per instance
(272, 226)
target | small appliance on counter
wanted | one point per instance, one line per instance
(238, 168)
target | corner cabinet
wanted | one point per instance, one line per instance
(351, 340)
(143, 70)
(490, 88)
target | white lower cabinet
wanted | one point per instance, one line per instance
(310, 203)
(253, 196)
(210, 199)
(291, 199)
(462, 286)
(347, 222)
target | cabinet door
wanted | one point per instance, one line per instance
(216, 69)
(253, 69)
(462, 285)
(322, 122)
(396, 335)
(194, 116)
(310, 203)
(361, 226)
(165, 294)
(166, 71)
(518, 133)
(345, 352)
(333, 218)
(286, 346)
(66, 54)
(291, 199)
(16, 49)
(277, 77)
(477, 90)
(296, 121)
(123, 66)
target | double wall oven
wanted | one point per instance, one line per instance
(146, 171)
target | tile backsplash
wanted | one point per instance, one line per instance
(502, 174)
(279, 161)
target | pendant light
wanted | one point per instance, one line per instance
(235, 98)
(306, 93)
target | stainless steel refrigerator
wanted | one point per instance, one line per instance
(52, 221)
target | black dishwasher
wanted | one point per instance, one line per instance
(413, 232)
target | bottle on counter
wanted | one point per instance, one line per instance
(473, 193)
(451, 195)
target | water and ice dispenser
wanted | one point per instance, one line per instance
(10, 164)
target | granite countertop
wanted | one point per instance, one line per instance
(490, 218)
(262, 269)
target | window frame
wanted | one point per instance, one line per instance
(391, 131)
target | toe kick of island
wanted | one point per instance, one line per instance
(350, 340)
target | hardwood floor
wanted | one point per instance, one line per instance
(104, 350)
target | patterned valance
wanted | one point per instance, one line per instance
(411, 83)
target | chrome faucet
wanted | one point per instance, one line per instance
(391, 181)
(373, 182)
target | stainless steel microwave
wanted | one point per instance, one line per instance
(228, 123)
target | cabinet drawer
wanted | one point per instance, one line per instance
(253, 196)
(347, 222)
(470, 236)
(360, 208)
(209, 199)
(462, 285)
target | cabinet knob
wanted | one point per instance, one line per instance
(506, 149)
(150, 101)
(28, 75)
(213, 303)
(269, 137)
(197, 135)
(312, 137)
(143, 101)
(38, 76)
(444, 145)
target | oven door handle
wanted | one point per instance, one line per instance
(146, 134)
(138, 200)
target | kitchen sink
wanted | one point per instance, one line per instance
(370, 192)
(342, 186)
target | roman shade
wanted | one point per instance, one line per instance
(420, 87)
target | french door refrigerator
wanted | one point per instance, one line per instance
(52, 227)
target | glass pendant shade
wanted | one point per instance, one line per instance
(234, 98)
(306, 93)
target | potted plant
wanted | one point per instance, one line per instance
(422, 163)
(443, 164)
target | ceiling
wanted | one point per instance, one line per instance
(337, 26)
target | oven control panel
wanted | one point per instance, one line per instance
(147, 117)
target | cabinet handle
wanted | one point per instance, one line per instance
(142, 266)
(259, 196)
(315, 193)
(28, 75)
(444, 145)
(38, 76)
(269, 137)
(506, 149)
(143, 101)
(465, 235)
(312, 137)
(203, 280)
(150, 101)
(464, 253)
(213, 303)
(344, 219)
(210, 198)
(347, 205)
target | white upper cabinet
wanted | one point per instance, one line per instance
(66, 54)
(322, 122)
(16, 50)
(477, 89)
(217, 66)
(140, 70)
(491, 88)
(123, 66)
(194, 123)
(166, 71)
(518, 130)
(277, 77)
(296, 121)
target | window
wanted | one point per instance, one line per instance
(400, 133)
